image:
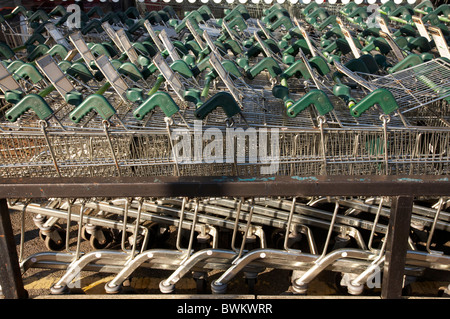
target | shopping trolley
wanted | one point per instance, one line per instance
(120, 132)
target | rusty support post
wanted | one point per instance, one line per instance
(396, 247)
(10, 275)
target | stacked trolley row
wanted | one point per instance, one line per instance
(149, 94)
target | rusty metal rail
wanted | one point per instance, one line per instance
(402, 190)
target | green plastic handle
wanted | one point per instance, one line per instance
(194, 96)
(325, 23)
(95, 102)
(410, 61)
(182, 68)
(159, 99)
(343, 91)
(16, 11)
(39, 15)
(31, 101)
(268, 64)
(58, 10)
(222, 99)
(5, 51)
(81, 71)
(233, 46)
(58, 49)
(297, 69)
(131, 71)
(133, 13)
(382, 97)
(74, 98)
(282, 92)
(134, 94)
(315, 97)
(30, 71)
(310, 8)
(39, 50)
(238, 21)
(13, 96)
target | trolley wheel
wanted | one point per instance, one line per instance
(84, 234)
(58, 242)
(102, 243)
(43, 236)
(337, 283)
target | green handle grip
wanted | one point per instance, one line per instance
(325, 23)
(343, 91)
(194, 17)
(204, 9)
(39, 50)
(182, 68)
(233, 46)
(194, 47)
(13, 96)
(39, 15)
(81, 71)
(74, 98)
(382, 97)
(5, 51)
(283, 21)
(95, 11)
(410, 61)
(282, 92)
(133, 13)
(58, 49)
(16, 11)
(193, 95)
(30, 71)
(58, 10)
(31, 101)
(95, 102)
(92, 25)
(348, 8)
(14, 66)
(420, 44)
(160, 99)
(315, 97)
(99, 49)
(239, 9)
(310, 8)
(238, 21)
(298, 69)
(134, 95)
(268, 64)
(131, 71)
(339, 45)
(231, 68)
(222, 99)
(293, 49)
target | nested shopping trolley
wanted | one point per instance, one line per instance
(164, 99)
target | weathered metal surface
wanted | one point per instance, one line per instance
(396, 247)
(10, 275)
(227, 186)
